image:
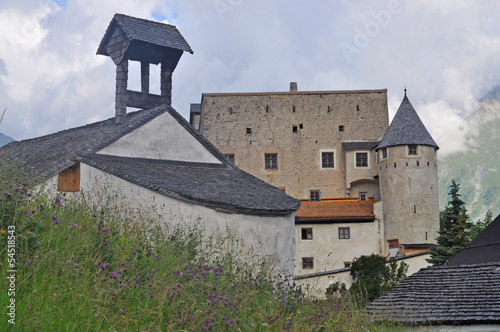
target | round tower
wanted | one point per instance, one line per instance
(408, 177)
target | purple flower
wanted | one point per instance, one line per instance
(121, 310)
(229, 322)
(116, 232)
(27, 213)
(42, 207)
(106, 230)
(58, 200)
(30, 195)
(180, 323)
(189, 318)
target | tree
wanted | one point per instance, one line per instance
(479, 226)
(454, 228)
(373, 277)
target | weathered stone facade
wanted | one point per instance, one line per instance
(298, 127)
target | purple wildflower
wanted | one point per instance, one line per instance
(42, 207)
(26, 212)
(229, 322)
(58, 200)
(116, 232)
(121, 310)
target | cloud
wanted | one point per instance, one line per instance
(445, 53)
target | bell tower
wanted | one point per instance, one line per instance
(149, 42)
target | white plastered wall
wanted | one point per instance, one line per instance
(267, 240)
(161, 138)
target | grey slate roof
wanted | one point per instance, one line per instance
(218, 186)
(50, 154)
(406, 128)
(485, 248)
(221, 186)
(467, 294)
(147, 31)
(359, 145)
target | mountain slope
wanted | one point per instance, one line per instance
(4, 139)
(477, 167)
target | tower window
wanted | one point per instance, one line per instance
(307, 233)
(294, 129)
(271, 160)
(230, 156)
(327, 160)
(363, 196)
(249, 131)
(384, 153)
(413, 150)
(341, 128)
(314, 195)
(293, 109)
(267, 108)
(361, 159)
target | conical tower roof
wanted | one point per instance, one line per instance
(406, 128)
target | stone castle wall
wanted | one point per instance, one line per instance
(298, 127)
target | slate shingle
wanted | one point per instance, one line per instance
(464, 294)
(406, 128)
(153, 32)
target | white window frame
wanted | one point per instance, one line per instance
(334, 159)
(381, 151)
(412, 155)
(367, 159)
(366, 196)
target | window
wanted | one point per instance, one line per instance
(363, 196)
(344, 233)
(249, 131)
(69, 179)
(307, 233)
(230, 156)
(271, 160)
(361, 159)
(267, 108)
(314, 196)
(384, 153)
(294, 129)
(347, 264)
(413, 150)
(327, 160)
(307, 263)
(341, 128)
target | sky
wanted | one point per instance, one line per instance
(446, 53)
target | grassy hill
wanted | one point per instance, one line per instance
(477, 167)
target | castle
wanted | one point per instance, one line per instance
(365, 187)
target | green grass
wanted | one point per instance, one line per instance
(82, 270)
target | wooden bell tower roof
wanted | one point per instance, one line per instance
(142, 40)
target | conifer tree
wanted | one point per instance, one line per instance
(454, 228)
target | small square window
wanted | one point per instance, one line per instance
(307, 233)
(249, 131)
(363, 196)
(344, 233)
(347, 264)
(271, 160)
(341, 128)
(314, 195)
(294, 129)
(361, 159)
(307, 263)
(327, 160)
(412, 150)
(230, 156)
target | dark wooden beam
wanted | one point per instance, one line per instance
(144, 77)
(143, 100)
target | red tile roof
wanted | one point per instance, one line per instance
(337, 208)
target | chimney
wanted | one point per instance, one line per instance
(293, 86)
(129, 38)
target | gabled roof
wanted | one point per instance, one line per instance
(50, 154)
(467, 294)
(218, 186)
(485, 248)
(221, 186)
(152, 32)
(406, 128)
